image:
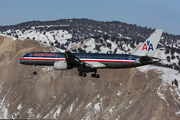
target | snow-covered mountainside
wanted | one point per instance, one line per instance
(143, 93)
(93, 36)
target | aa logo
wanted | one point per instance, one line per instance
(148, 46)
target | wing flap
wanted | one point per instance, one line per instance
(96, 64)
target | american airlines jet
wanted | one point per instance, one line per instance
(90, 62)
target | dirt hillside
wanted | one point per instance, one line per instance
(118, 94)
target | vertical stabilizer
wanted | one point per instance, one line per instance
(149, 46)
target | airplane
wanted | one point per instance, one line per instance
(90, 62)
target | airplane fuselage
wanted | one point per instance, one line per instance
(109, 60)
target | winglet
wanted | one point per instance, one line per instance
(69, 47)
(149, 46)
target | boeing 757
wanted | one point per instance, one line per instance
(90, 62)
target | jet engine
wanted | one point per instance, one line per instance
(62, 65)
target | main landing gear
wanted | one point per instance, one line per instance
(82, 74)
(92, 75)
(95, 75)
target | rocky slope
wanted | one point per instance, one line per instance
(121, 94)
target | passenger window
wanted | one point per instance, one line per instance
(130, 57)
(30, 55)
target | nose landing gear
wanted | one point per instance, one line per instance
(34, 68)
(34, 73)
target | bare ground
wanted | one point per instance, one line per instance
(119, 93)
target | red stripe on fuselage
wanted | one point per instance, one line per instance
(43, 59)
(116, 61)
(85, 60)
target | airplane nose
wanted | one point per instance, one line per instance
(20, 61)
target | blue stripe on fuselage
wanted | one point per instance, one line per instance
(82, 55)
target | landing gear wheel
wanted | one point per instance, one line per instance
(34, 73)
(97, 76)
(80, 74)
(84, 75)
(93, 75)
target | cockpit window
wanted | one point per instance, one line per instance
(28, 55)
(31, 54)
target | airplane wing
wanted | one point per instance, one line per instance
(72, 59)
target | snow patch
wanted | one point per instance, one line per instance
(72, 106)
(30, 113)
(8, 36)
(104, 49)
(58, 111)
(88, 105)
(167, 75)
(86, 117)
(162, 96)
(130, 102)
(119, 93)
(111, 110)
(19, 106)
(45, 37)
(3, 107)
(97, 107)
(177, 113)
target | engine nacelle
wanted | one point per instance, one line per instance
(62, 65)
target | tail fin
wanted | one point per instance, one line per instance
(149, 46)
